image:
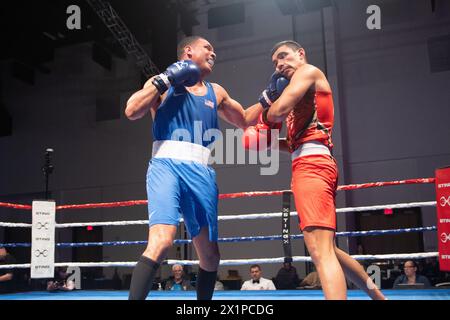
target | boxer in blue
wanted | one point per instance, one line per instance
(179, 180)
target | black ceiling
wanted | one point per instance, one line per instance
(32, 30)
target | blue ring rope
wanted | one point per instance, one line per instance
(228, 240)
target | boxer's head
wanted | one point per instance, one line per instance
(199, 50)
(287, 56)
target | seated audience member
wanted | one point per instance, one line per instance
(178, 282)
(60, 282)
(287, 277)
(410, 275)
(6, 275)
(311, 281)
(219, 285)
(257, 282)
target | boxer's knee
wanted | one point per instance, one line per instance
(209, 257)
(210, 261)
(159, 242)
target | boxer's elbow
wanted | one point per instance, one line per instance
(131, 111)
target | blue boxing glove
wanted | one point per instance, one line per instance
(181, 73)
(277, 84)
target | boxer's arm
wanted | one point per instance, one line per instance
(142, 101)
(301, 81)
(6, 277)
(232, 111)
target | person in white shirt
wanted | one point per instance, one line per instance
(257, 282)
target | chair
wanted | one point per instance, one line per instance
(443, 285)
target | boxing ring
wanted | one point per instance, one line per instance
(405, 294)
(424, 294)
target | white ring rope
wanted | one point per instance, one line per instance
(251, 216)
(99, 224)
(419, 255)
(388, 206)
(15, 225)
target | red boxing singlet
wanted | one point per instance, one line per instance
(312, 119)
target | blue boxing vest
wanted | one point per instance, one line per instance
(194, 115)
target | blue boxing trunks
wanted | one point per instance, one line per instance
(180, 184)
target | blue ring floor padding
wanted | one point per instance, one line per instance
(424, 294)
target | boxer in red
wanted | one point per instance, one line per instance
(306, 104)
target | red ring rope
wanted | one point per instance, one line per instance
(224, 196)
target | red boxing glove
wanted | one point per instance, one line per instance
(259, 137)
(256, 137)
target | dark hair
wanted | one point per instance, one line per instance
(186, 42)
(255, 266)
(288, 43)
(413, 262)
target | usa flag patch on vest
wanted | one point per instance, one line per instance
(209, 103)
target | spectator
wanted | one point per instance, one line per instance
(178, 282)
(311, 281)
(233, 275)
(6, 275)
(60, 282)
(287, 277)
(360, 249)
(257, 282)
(233, 281)
(219, 285)
(410, 275)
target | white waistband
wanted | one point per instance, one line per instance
(181, 150)
(309, 148)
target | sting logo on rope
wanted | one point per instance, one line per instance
(285, 227)
(445, 237)
(444, 201)
(40, 225)
(38, 253)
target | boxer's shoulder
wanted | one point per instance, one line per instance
(307, 70)
(220, 92)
